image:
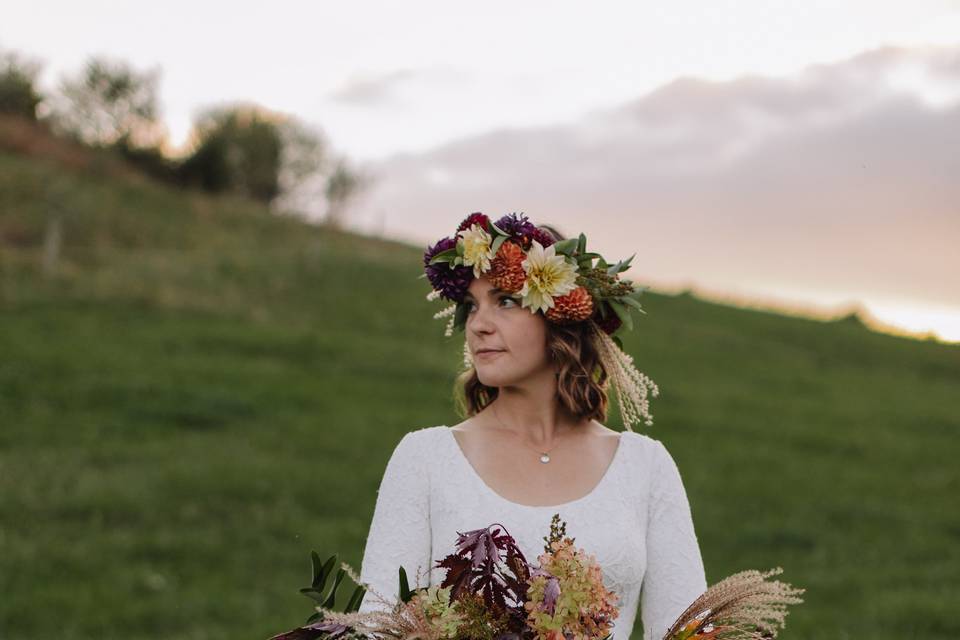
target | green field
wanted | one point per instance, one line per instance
(203, 392)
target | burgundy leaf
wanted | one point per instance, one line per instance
(475, 567)
(300, 633)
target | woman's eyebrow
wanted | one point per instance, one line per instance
(490, 293)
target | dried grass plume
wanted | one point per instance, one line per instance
(743, 606)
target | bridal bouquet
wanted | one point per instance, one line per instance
(491, 592)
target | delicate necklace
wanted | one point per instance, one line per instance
(544, 455)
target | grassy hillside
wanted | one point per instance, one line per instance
(204, 392)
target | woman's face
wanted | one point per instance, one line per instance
(496, 320)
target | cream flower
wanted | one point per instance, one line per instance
(476, 249)
(548, 275)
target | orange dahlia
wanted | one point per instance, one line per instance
(571, 307)
(506, 271)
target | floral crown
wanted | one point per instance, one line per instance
(557, 278)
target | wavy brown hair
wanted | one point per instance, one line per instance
(581, 380)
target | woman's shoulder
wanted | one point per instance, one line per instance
(647, 456)
(641, 442)
(421, 438)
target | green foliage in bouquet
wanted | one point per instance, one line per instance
(321, 572)
(314, 627)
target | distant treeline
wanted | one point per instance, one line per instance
(239, 148)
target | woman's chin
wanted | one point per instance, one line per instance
(490, 377)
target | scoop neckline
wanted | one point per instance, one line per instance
(604, 480)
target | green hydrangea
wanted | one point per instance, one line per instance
(443, 616)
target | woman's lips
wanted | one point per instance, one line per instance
(488, 354)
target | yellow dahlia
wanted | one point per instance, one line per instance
(548, 275)
(477, 251)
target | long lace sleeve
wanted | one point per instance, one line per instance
(400, 529)
(674, 575)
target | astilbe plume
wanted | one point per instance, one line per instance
(742, 606)
(447, 312)
(630, 384)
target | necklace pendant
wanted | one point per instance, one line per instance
(545, 458)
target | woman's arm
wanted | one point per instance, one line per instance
(400, 529)
(674, 575)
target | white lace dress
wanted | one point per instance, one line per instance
(636, 521)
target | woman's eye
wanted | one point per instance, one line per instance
(471, 306)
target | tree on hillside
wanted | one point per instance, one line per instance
(272, 157)
(314, 181)
(305, 155)
(237, 148)
(109, 104)
(343, 184)
(18, 78)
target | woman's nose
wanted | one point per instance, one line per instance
(480, 319)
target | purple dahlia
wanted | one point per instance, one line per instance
(523, 231)
(451, 281)
(517, 226)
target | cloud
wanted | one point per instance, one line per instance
(381, 89)
(372, 89)
(842, 178)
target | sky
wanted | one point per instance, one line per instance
(778, 154)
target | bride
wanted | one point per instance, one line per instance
(538, 356)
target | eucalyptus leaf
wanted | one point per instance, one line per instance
(621, 266)
(582, 244)
(331, 600)
(632, 302)
(313, 594)
(623, 313)
(496, 244)
(327, 570)
(405, 593)
(444, 256)
(566, 247)
(498, 229)
(355, 599)
(317, 568)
